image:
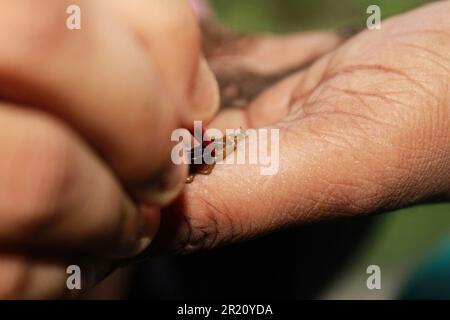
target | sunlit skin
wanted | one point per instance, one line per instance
(84, 124)
(365, 129)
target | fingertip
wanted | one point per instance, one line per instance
(165, 187)
(205, 97)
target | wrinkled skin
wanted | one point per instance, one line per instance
(365, 129)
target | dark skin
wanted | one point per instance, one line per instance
(365, 129)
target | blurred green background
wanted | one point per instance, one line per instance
(291, 15)
(401, 239)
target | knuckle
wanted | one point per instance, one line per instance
(40, 173)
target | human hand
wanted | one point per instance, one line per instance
(365, 129)
(84, 159)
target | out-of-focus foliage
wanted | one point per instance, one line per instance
(288, 15)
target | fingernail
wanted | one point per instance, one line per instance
(206, 97)
(165, 187)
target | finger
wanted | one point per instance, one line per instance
(98, 79)
(170, 32)
(55, 193)
(285, 98)
(269, 108)
(273, 104)
(22, 278)
(30, 278)
(214, 210)
(230, 204)
(245, 69)
(331, 164)
(260, 54)
(236, 202)
(361, 144)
